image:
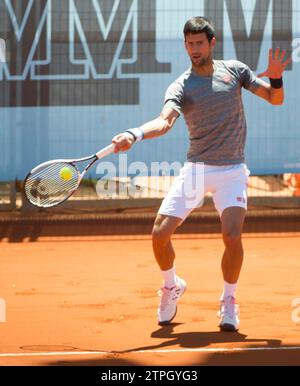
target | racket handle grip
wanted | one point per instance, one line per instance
(105, 151)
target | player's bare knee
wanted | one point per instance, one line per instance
(231, 238)
(160, 235)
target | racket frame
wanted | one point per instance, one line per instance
(95, 157)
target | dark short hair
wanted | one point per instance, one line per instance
(198, 24)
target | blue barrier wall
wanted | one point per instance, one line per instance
(77, 72)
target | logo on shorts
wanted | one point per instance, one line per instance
(227, 78)
(241, 199)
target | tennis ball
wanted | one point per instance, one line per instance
(65, 173)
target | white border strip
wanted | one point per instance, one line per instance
(211, 350)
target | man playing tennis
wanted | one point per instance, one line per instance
(209, 96)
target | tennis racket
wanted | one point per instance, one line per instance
(53, 182)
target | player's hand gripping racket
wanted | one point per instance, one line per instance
(53, 182)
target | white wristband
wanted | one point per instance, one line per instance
(137, 133)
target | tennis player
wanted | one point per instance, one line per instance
(209, 97)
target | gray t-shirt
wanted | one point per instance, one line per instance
(213, 111)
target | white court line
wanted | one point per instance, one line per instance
(212, 350)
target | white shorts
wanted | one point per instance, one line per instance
(228, 185)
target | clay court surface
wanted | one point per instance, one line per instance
(93, 302)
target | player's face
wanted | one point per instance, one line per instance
(199, 48)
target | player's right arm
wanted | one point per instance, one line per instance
(155, 128)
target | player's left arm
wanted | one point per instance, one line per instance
(273, 92)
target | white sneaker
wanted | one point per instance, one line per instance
(229, 314)
(168, 303)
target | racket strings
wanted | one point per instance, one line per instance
(47, 185)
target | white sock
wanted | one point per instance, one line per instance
(229, 290)
(169, 277)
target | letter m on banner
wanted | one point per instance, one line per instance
(94, 45)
